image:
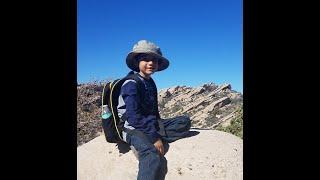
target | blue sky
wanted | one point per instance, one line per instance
(202, 39)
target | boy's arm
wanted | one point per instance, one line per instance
(147, 124)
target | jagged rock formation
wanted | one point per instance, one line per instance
(208, 106)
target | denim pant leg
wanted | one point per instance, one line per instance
(176, 128)
(149, 158)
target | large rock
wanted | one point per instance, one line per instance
(208, 155)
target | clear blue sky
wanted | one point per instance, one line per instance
(202, 39)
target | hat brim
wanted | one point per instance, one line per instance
(132, 61)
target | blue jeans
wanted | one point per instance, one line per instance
(149, 158)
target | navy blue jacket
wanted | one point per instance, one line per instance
(132, 105)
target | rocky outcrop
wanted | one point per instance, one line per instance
(88, 112)
(207, 106)
(207, 154)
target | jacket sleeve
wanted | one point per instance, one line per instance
(147, 124)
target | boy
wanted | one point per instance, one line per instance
(144, 130)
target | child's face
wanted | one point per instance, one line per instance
(148, 66)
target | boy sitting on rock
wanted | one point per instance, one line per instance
(144, 130)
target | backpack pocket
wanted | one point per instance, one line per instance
(109, 130)
(108, 125)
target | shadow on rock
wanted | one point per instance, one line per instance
(192, 133)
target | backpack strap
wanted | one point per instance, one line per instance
(135, 77)
(140, 87)
(141, 90)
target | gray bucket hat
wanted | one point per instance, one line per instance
(144, 47)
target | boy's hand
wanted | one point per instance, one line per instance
(158, 144)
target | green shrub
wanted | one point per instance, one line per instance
(236, 125)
